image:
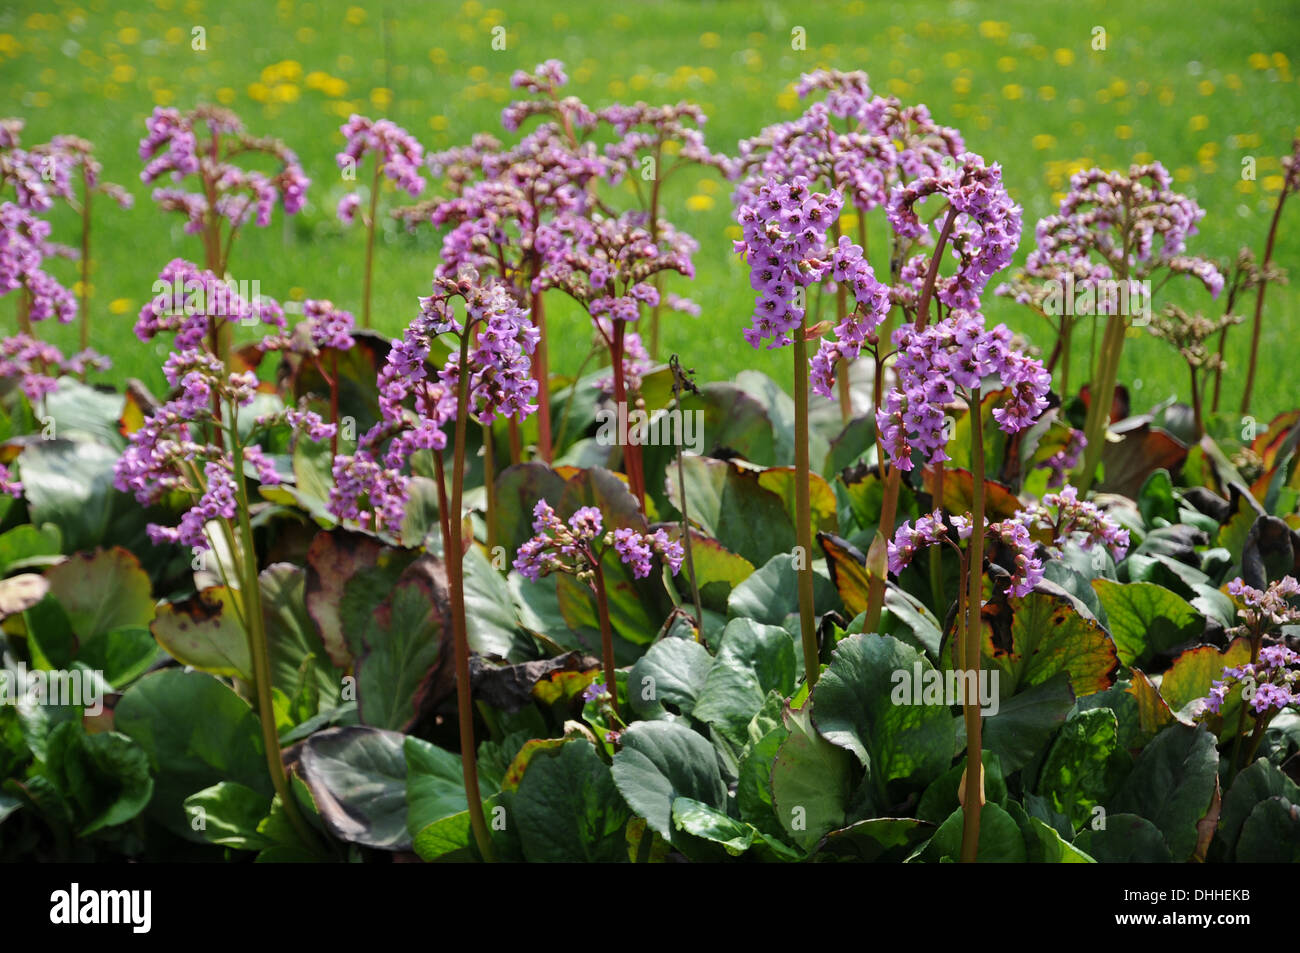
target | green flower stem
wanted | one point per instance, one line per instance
(970, 835)
(606, 631)
(632, 452)
(255, 629)
(454, 558)
(1102, 398)
(803, 515)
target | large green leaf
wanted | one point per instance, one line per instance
(672, 672)
(104, 776)
(753, 660)
(300, 666)
(1172, 784)
(1084, 766)
(490, 620)
(661, 761)
(407, 647)
(357, 777)
(770, 595)
(1025, 722)
(729, 503)
(812, 783)
(435, 784)
(228, 814)
(1047, 635)
(1145, 619)
(196, 732)
(204, 632)
(856, 706)
(1271, 834)
(568, 810)
(1001, 840)
(1255, 784)
(27, 546)
(1125, 839)
(102, 590)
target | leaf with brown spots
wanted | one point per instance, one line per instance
(1047, 636)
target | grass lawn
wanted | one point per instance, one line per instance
(1196, 85)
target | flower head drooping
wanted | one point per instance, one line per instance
(192, 302)
(958, 352)
(1025, 566)
(399, 154)
(204, 142)
(578, 546)
(416, 406)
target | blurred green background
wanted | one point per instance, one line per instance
(1198, 86)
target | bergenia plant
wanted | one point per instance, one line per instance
(37, 177)
(201, 446)
(68, 153)
(487, 375)
(209, 147)
(398, 156)
(1114, 233)
(1290, 184)
(579, 547)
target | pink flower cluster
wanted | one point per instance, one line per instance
(398, 153)
(203, 142)
(958, 352)
(416, 407)
(578, 546)
(1269, 685)
(929, 530)
(191, 302)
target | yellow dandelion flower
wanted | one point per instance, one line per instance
(355, 16)
(1245, 187)
(1232, 81)
(1063, 56)
(1280, 60)
(700, 203)
(1258, 61)
(438, 123)
(1205, 87)
(1184, 174)
(128, 36)
(994, 30)
(734, 233)
(1047, 93)
(286, 93)
(1166, 96)
(381, 97)
(120, 305)
(305, 34)
(710, 40)
(787, 100)
(960, 85)
(1006, 64)
(1198, 122)
(1012, 91)
(335, 87)
(1274, 183)
(259, 92)
(122, 73)
(225, 95)
(951, 59)
(1123, 132)
(1043, 141)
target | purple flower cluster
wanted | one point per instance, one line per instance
(23, 250)
(929, 530)
(37, 364)
(1064, 460)
(1112, 224)
(1263, 611)
(415, 406)
(958, 352)
(203, 142)
(9, 486)
(577, 547)
(399, 154)
(323, 326)
(986, 231)
(784, 240)
(191, 302)
(1268, 686)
